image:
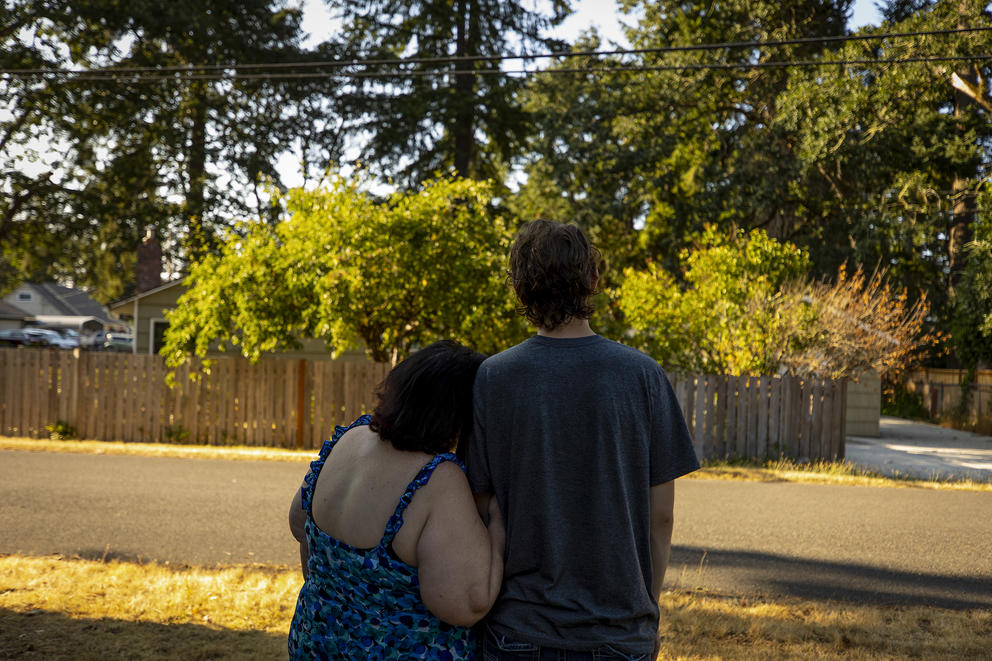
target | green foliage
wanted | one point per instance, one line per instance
(387, 276)
(865, 165)
(60, 431)
(118, 155)
(176, 434)
(971, 324)
(898, 401)
(438, 120)
(726, 320)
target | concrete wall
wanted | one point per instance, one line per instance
(864, 405)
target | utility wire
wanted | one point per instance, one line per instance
(181, 78)
(199, 69)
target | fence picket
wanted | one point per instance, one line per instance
(730, 436)
(761, 448)
(774, 416)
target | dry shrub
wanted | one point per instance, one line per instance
(857, 324)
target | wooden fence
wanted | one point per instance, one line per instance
(124, 397)
(295, 403)
(766, 417)
(941, 392)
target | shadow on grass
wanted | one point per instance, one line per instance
(746, 572)
(44, 635)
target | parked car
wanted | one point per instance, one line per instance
(115, 341)
(93, 341)
(70, 338)
(104, 340)
(51, 338)
(17, 337)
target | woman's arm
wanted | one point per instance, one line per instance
(297, 525)
(460, 561)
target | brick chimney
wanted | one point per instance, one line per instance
(149, 271)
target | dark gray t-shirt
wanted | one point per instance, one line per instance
(570, 435)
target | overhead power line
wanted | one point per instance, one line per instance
(179, 78)
(277, 70)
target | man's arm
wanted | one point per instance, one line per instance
(662, 519)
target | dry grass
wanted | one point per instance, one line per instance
(59, 608)
(699, 626)
(824, 472)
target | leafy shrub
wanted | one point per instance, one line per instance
(60, 430)
(901, 403)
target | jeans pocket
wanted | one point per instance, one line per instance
(501, 648)
(610, 653)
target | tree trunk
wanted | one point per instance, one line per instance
(963, 211)
(197, 239)
(466, 45)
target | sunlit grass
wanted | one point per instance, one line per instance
(705, 626)
(157, 449)
(65, 608)
(824, 472)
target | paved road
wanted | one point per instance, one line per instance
(882, 545)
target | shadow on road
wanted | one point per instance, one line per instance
(45, 635)
(764, 573)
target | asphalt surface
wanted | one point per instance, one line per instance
(861, 544)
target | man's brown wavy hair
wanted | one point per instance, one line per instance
(554, 271)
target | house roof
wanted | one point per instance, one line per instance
(124, 301)
(71, 302)
(9, 311)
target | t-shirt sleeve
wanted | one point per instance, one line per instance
(672, 454)
(477, 459)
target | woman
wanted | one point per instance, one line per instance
(397, 562)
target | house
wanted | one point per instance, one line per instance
(145, 312)
(50, 304)
(12, 316)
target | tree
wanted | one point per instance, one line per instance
(890, 155)
(971, 321)
(387, 275)
(158, 148)
(669, 151)
(728, 319)
(857, 324)
(441, 116)
(749, 308)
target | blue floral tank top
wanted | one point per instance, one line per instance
(365, 603)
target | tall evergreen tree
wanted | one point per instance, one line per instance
(441, 114)
(185, 154)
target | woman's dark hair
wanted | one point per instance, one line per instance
(554, 270)
(425, 402)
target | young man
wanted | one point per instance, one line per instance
(579, 439)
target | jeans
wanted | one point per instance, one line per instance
(501, 648)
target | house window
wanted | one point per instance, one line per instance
(158, 334)
(24, 296)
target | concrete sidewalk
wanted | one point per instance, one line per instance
(922, 450)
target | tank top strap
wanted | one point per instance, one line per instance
(306, 491)
(396, 520)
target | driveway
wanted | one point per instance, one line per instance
(922, 450)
